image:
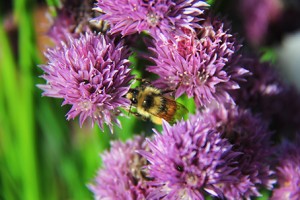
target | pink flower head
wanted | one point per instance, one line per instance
(249, 136)
(190, 160)
(72, 18)
(121, 176)
(267, 94)
(257, 16)
(131, 16)
(90, 73)
(203, 66)
(288, 171)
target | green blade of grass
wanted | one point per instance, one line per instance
(26, 124)
(9, 116)
(90, 143)
(8, 76)
(53, 2)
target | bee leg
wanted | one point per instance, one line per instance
(138, 115)
(167, 91)
(133, 113)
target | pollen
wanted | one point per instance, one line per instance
(186, 79)
(85, 105)
(192, 180)
(203, 77)
(152, 19)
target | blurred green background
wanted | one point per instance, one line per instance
(42, 156)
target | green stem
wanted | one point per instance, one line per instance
(26, 130)
(9, 115)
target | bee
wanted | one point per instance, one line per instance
(151, 103)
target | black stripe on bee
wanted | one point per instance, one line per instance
(163, 107)
(148, 102)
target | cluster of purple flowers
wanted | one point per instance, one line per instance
(225, 150)
(212, 153)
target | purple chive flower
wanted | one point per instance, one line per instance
(257, 16)
(288, 172)
(90, 73)
(266, 94)
(131, 16)
(189, 160)
(72, 18)
(203, 66)
(249, 136)
(62, 26)
(121, 176)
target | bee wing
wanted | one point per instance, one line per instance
(172, 111)
(181, 111)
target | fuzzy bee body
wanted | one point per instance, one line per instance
(152, 104)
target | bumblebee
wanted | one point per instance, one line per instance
(151, 103)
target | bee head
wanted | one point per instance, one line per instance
(132, 96)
